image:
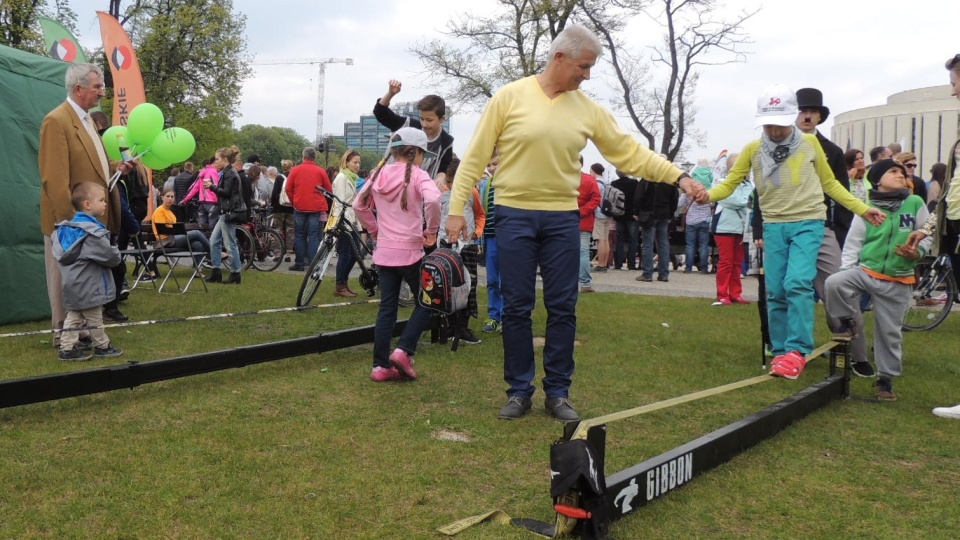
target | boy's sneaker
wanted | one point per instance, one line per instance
(722, 302)
(492, 325)
(788, 366)
(107, 352)
(382, 374)
(76, 355)
(515, 408)
(467, 336)
(848, 330)
(403, 363)
(863, 369)
(884, 388)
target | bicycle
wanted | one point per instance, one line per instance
(933, 294)
(336, 225)
(260, 245)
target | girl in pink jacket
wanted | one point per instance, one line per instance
(404, 198)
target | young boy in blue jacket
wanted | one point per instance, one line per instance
(880, 262)
(82, 248)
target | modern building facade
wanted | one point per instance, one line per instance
(924, 121)
(368, 134)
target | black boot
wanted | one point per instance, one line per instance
(215, 276)
(234, 278)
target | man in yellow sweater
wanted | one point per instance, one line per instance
(539, 125)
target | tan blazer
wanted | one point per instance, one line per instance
(67, 157)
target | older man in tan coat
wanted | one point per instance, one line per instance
(71, 152)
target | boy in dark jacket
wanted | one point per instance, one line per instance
(82, 248)
(433, 111)
(879, 261)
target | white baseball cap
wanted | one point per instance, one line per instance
(408, 136)
(777, 106)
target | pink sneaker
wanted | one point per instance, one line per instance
(788, 366)
(403, 363)
(382, 374)
(740, 300)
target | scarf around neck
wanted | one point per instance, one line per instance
(773, 154)
(352, 176)
(889, 200)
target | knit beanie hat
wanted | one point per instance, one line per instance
(880, 168)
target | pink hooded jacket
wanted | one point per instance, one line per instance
(399, 233)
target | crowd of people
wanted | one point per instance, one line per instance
(829, 225)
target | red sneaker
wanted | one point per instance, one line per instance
(740, 300)
(403, 363)
(382, 374)
(788, 366)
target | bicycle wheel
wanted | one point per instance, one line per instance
(245, 245)
(932, 298)
(269, 250)
(318, 267)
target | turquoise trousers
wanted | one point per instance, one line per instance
(790, 264)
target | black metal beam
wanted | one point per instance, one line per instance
(16, 392)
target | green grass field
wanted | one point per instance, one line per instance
(309, 447)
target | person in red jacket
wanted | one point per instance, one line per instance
(588, 200)
(309, 206)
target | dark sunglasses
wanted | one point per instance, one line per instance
(911, 165)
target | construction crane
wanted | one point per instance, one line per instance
(320, 80)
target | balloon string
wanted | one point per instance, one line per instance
(116, 175)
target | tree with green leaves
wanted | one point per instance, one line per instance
(655, 84)
(272, 144)
(20, 26)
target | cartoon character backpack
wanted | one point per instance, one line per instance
(444, 282)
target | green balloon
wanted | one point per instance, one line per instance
(174, 144)
(153, 161)
(112, 140)
(144, 123)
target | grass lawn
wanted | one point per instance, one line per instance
(309, 447)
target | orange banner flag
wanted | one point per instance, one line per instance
(127, 78)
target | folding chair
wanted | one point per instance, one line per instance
(142, 251)
(174, 256)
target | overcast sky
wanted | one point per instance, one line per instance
(856, 52)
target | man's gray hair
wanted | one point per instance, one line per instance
(310, 153)
(272, 171)
(80, 74)
(573, 40)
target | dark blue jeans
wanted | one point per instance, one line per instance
(345, 257)
(627, 233)
(306, 236)
(550, 240)
(656, 231)
(390, 279)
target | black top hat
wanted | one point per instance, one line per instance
(811, 98)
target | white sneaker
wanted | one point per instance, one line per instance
(948, 412)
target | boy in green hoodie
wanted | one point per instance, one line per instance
(879, 261)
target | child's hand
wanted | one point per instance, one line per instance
(907, 251)
(875, 216)
(394, 87)
(429, 239)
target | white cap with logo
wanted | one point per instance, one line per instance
(408, 136)
(777, 106)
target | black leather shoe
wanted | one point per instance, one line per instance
(114, 315)
(515, 408)
(562, 409)
(234, 278)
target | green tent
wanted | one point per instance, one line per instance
(31, 86)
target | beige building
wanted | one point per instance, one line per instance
(925, 121)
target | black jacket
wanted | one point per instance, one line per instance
(394, 121)
(182, 183)
(655, 200)
(229, 191)
(275, 196)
